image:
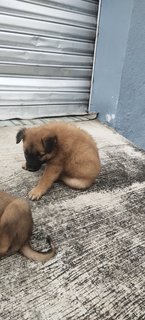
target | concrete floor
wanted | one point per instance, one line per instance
(99, 270)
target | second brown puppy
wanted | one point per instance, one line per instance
(69, 153)
(16, 225)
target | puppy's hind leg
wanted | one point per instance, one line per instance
(77, 183)
(4, 244)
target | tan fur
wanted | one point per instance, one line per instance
(74, 159)
(16, 228)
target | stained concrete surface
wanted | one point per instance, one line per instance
(99, 270)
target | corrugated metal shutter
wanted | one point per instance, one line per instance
(46, 57)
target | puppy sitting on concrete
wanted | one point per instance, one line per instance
(16, 228)
(69, 153)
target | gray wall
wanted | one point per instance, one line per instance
(119, 75)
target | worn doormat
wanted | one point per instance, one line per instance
(99, 270)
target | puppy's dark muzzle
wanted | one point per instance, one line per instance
(33, 161)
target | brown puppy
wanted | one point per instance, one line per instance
(16, 228)
(70, 154)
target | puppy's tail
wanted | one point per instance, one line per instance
(30, 253)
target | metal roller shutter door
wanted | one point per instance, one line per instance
(46, 57)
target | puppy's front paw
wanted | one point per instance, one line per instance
(24, 166)
(35, 194)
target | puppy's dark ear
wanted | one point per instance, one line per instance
(49, 144)
(20, 135)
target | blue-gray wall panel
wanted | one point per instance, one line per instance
(130, 120)
(111, 47)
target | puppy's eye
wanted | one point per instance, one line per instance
(41, 154)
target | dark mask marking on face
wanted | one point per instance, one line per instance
(33, 160)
